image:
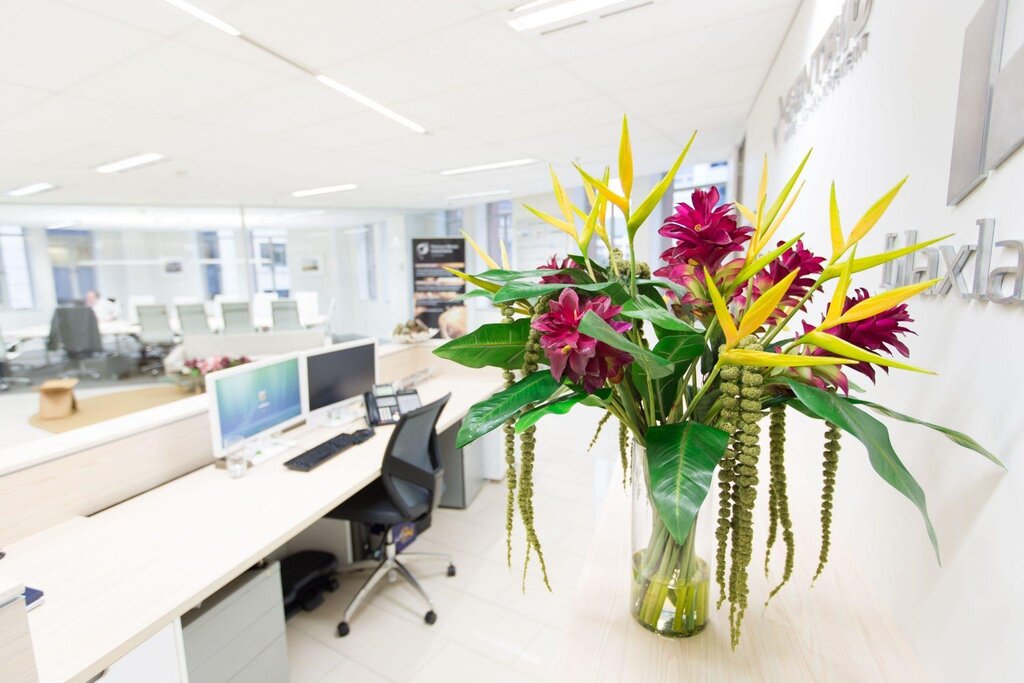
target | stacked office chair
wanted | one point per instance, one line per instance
(262, 311)
(192, 320)
(136, 300)
(309, 305)
(155, 336)
(236, 317)
(408, 489)
(78, 335)
(286, 315)
(8, 354)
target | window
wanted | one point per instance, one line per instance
(499, 226)
(72, 254)
(366, 263)
(209, 260)
(453, 222)
(270, 262)
(15, 277)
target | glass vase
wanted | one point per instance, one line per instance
(671, 581)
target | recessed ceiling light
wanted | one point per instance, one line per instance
(324, 190)
(474, 195)
(489, 167)
(565, 10)
(203, 15)
(34, 188)
(366, 101)
(130, 163)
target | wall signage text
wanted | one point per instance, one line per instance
(839, 49)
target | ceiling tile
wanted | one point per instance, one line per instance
(17, 98)
(44, 44)
(176, 78)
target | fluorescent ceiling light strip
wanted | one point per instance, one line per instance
(324, 190)
(366, 101)
(34, 188)
(489, 167)
(566, 10)
(474, 195)
(203, 15)
(531, 5)
(130, 162)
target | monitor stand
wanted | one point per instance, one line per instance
(339, 416)
(267, 448)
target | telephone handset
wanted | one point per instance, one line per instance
(385, 406)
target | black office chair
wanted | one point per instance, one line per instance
(79, 337)
(408, 489)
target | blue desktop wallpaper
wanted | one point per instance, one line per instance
(257, 400)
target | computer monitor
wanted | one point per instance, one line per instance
(254, 401)
(335, 376)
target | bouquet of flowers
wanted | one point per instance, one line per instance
(691, 360)
(195, 370)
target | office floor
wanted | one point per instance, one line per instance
(487, 629)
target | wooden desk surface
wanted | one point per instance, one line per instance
(114, 579)
(836, 631)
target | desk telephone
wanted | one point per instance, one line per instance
(385, 406)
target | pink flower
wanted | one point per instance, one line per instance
(880, 332)
(555, 265)
(796, 257)
(705, 234)
(584, 359)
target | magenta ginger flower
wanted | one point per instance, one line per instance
(705, 234)
(796, 257)
(584, 359)
(880, 332)
(553, 264)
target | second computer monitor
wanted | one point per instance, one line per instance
(335, 375)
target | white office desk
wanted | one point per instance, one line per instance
(114, 579)
(108, 328)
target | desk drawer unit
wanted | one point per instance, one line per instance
(238, 634)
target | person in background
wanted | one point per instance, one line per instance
(105, 309)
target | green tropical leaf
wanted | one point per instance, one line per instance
(518, 291)
(645, 308)
(500, 345)
(474, 294)
(491, 413)
(679, 348)
(956, 437)
(560, 406)
(499, 275)
(680, 461)
(594, 326)
(875, 437)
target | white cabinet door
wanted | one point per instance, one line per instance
(160, 659)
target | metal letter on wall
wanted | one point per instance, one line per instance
(989, 126)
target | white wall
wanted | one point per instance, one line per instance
(891, 115)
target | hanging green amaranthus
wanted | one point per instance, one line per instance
(624, 450)
(527, 445)
(780, 498)
(597, 432)
(728, 422)
(510, 453)
(830, 463)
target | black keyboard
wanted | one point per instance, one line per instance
(328, 449)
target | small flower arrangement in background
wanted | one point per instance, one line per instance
(195, 370)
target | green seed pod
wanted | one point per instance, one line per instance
(778, 475)
(829, 466)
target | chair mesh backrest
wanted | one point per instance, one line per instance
(236, 316)
(192, 318)
(79, 330)
(286, 314)
(154, 326)
(414, 443)
(3, 351)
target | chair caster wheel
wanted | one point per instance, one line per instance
(332, 584)
(451, 570)
(430, 617)
(343, 629)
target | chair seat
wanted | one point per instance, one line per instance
(373, 505)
